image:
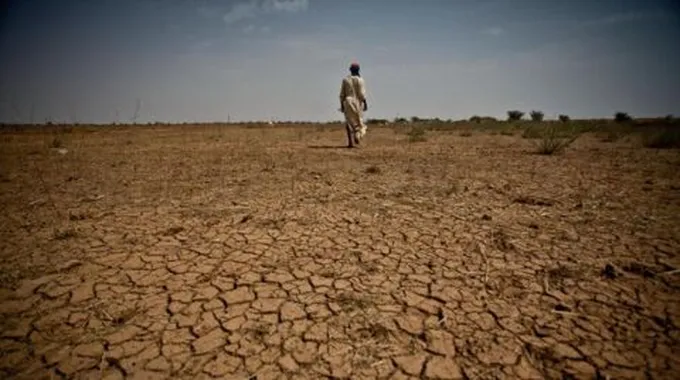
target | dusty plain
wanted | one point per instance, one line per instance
(207, 252)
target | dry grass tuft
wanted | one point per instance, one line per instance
(417, 134)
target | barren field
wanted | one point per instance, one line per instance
(274, 253)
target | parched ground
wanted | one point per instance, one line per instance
(272, 253)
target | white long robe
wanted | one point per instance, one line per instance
(352, 96)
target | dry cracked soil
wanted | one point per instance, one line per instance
(272, 253)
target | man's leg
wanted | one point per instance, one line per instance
(361, 128)
(350, 121)
(350, 135)
(361, 131)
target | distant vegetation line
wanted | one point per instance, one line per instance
(513, 116)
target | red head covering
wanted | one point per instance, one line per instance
(354, 66)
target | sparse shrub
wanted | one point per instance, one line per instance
(515, 115)
(465, 134)
(57, 142)
(622, 117)
(667, 138)
(417, 134)
(536, 115)
(506, 132)
(532, 133)
(564, 118)
(551, 142)
(482, 119)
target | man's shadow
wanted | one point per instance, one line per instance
(327, 146)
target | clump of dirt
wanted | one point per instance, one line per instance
(259, 332)
(373, 170)
(639, 269)
(66, 234)
(350, 301)
(609, 272)
(501, 241)
(375, 331)
(557, 277)
(533, 201)
(172, 231)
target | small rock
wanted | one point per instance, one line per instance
(28, 287)
(441, 342)
(291, 311)
(317, 333)
(69, 265)
(90, 350)
(210, 341)
(126, 333)
(581, 369)
(82, 293)
(20, 331)
(288, 364)
(239, 295)
(562, 350)
(442, 368)
(411, 364)
(222, 366)
(158, 364)
(412, 324)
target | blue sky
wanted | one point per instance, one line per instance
(200, 60)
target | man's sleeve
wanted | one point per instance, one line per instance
(342, 91)
(362, 89)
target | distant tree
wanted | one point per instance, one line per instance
(476, 119)
(564, 118)
(536, 115)
(415, 119)
(622, 117)
(515, 115)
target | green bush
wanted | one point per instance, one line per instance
(622, 117)
(536, 115)
(515, 115)
(564, 118)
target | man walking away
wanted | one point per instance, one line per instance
(353, 104)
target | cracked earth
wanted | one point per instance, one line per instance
(268, 253)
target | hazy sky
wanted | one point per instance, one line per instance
(200, 60)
